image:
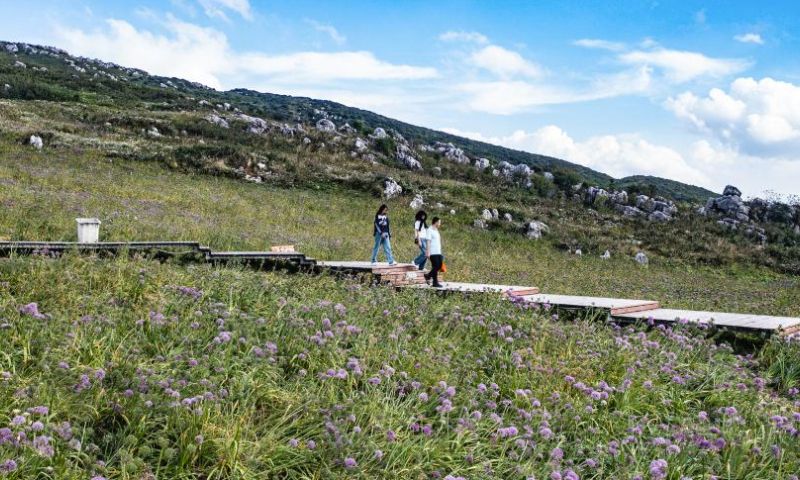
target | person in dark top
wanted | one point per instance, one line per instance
(382, 235)
(421, 238)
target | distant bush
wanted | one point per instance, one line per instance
(27, 90)
(386, 146)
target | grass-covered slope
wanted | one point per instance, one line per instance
(123, 369)
(132, 88)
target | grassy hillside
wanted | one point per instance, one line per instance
(650, 185)
(133, 88)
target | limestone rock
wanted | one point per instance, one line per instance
(217, 120)
(606, 255)
(404, 155)
(379, 133)
(360, 144)
(417, 203)
(731, 191)
(480, 223)
(347, 129)
(642, 259)
(482, 163)
(36, 142)
(325, 125)
(549, 176)
(153, 132)
(486, 215)
(507, 217)
(391, 189)
(535, 230)
(306, 141)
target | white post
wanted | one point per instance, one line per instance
(88, 230)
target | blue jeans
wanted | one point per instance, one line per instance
(387, 248)
(423, 257)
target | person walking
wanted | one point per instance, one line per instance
(382, 235)
(434, 252)
(421, 238)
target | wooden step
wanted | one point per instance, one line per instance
(615, 306)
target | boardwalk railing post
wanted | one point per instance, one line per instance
(88, 230)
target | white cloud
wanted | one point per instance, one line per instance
(330, 30)
(750, 38)
(759, 117)
(462, 36)
(506, 97)
(204, 55)
(681, 66)
(600, 44)
(216, 8)
(504, 63)
(616, 155)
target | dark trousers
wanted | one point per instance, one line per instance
(436, 265)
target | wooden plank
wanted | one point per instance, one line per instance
(723, 319)
(611, 304)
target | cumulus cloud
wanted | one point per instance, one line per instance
(204, 55)
(600, 44)
(616, 155)
(216, 8)
(329, 30)
(462, 36)
(750, 38)
(680, 66)
(504, 63)
(760, 117)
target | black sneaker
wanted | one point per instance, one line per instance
(437, 285)
(427, 279)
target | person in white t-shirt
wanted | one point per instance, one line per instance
(421, 238)
(434, 252)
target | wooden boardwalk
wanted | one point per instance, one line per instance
(409, 276)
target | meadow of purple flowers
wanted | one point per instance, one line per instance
(131, 369)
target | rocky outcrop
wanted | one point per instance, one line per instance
(19, 64)
(153, 132)
(405, 156)
(482, 163)
(36, 142)
(347, 129)
(360, 144)
(549, 176)
(417, 203)
(391, 189)
(325, 125)
(379, 133)
(255, 125)
(487, 215)
(729, 205)
(215, 119)
(480, 223)
(451, 152)
(535, 230)
(642, 259)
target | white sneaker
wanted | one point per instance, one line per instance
(393, 264)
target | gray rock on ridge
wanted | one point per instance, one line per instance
(405, 156)
(325, 125)
(391, 189)
(215, 119)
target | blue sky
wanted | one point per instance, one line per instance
(706, 92)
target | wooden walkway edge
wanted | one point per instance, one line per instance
(409, 276)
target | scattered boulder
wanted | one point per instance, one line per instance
(286, 130)
(153, 132)
(549, 176)
(659, 217)
(495, 172)
(507, 217)
(535, 230)
(417, 203)
(360, 144)
(579, 252)
(391, 189)
(12, 48)
(731, 191)
(480, 223)
(619, 198)
(642, 259)
(451, 152)
(347, 129)
(486, 215)
(325, 125)
(405, 156)
(606, 255)
(379, 133)
(522, 170)
(437, 170)
(6, 87)
(452, 212)
(204, 103)
(306, 141)
(482, 163)
(255, 125)
(19, 64)
(217, 120)
(36, 142)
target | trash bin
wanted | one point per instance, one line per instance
(88, 230)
